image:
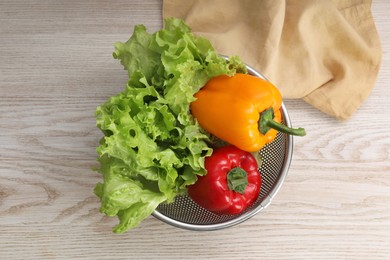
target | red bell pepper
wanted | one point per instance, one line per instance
(232, 182)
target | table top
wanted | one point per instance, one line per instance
(56, 67)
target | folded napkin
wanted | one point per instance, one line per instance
(325, 52)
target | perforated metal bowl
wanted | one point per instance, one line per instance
(185, 213)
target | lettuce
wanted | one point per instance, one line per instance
(152, 146)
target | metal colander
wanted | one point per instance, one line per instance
(276, 157)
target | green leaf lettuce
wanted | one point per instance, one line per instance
(152, 146)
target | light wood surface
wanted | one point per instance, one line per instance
(56, 67)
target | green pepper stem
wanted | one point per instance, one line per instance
(267, 121)
(285, 129)
(237, 180)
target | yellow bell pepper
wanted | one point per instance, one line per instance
(242, 110)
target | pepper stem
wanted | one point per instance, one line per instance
(237, 180)
(267, 122)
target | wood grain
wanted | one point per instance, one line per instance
(56, 67)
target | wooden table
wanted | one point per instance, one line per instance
(56, 67)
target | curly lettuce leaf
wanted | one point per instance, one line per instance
(152, 147)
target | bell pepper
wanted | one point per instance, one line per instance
(232, 182)
(242, 110)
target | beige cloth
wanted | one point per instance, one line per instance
(326, 52)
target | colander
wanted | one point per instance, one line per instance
(276, 157)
